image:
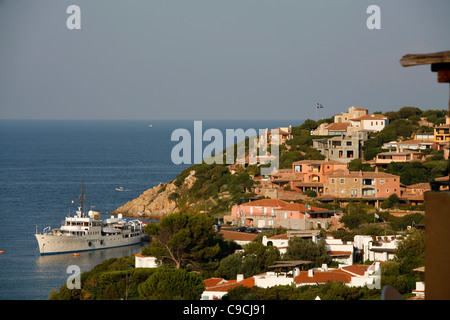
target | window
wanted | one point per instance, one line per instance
(368, 191)
(297, 168)
(342, 180)
(349, 143)
(381, 180)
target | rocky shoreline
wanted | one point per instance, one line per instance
(155, 203)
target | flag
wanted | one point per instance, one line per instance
(73, 201)
(308, 207)
(377, 216)
(319, 106)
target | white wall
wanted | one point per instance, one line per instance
(145, 262)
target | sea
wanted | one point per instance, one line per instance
(42, 165)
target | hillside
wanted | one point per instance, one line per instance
(214, 188)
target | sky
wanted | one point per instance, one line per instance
(216, 59)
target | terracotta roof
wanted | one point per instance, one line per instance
(356, 269)
(338, 126)
(371, 117)
(312, 162)
(323, 277)
(266, 203)
(421, 185)
(213, 284)
(283, 236)
(339, 253)
(298, 207)
(235, 235)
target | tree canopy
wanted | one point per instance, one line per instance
(182, 238)
(172, 284)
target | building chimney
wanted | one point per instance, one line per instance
(310, 273)
(239, 277)
(324, 267)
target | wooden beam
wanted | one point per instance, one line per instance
(409, 60)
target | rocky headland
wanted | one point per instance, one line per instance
(156, 202)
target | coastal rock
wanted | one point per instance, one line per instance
(155, 203)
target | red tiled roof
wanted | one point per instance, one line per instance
(297, 207)
(340, 126)
(266, 203)
(235, 235)
(323, 277)
(283, 236)
(356, 269)
(371, 117)
(213, 284)
(339, 253)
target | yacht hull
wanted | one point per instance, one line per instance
(58, 244)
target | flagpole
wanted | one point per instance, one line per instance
(317, 107)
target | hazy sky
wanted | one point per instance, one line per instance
(216, 59)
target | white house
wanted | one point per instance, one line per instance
(340, 251)
(379, 248)
(141, 261)
(370, 122)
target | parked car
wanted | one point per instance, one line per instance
(252, 230)
(241, 229)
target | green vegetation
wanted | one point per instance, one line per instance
(182, 238)
(172, 284)
(300, 249)
(113, 279)
(254, 260)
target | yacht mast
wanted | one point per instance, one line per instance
(82, 198)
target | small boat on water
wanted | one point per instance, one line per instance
(87, 232)
(122, 189)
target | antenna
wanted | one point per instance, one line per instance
(81, 198)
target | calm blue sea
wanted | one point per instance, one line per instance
(42, 163)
